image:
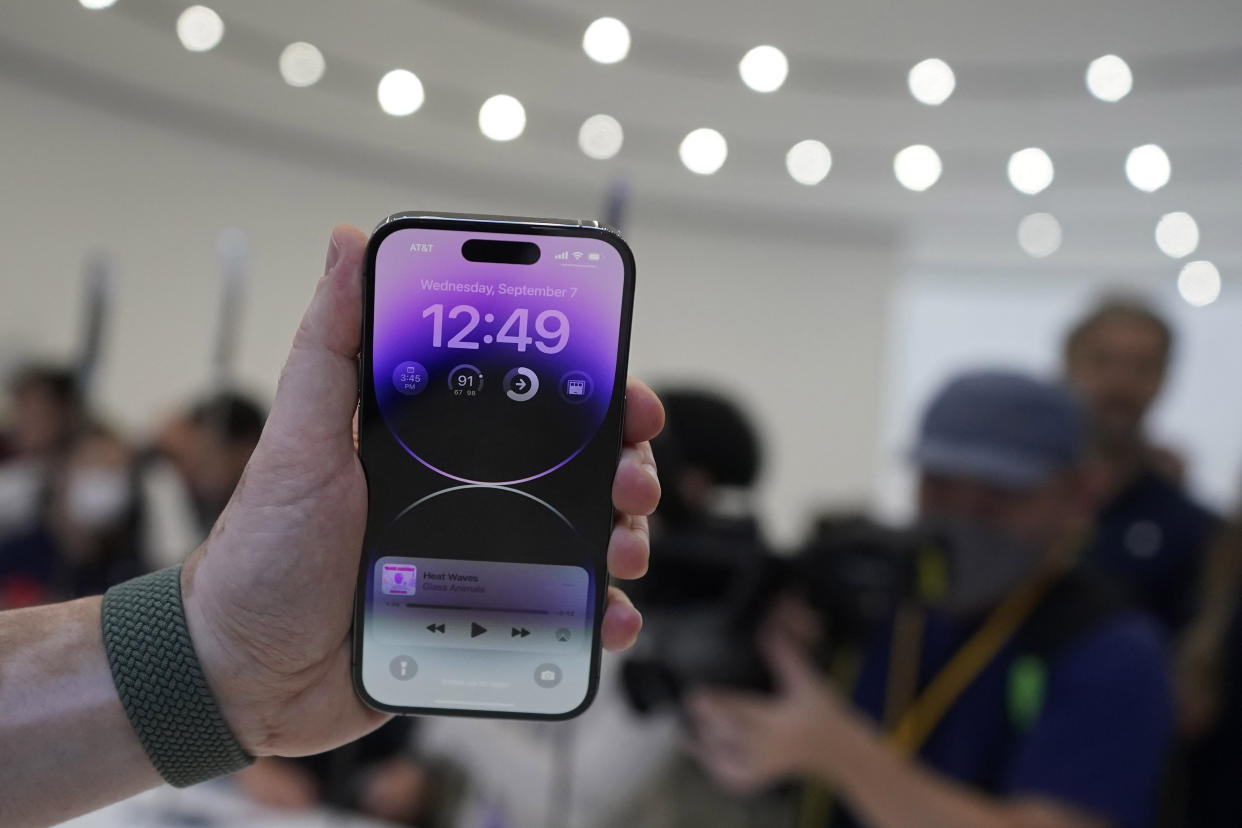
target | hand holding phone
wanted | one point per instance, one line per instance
(269, 596)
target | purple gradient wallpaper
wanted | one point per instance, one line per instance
(440, 319)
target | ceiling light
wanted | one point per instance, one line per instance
(1177, 235)
(703, 151)
(917, 167)
(600, 137)
(1109, 78)
(931, 81)
(1039, 234)
(607, 40)
(808, 162)
(301, 64)
(1148, 167)
(764, 68)
(502, 117)
(1030, 170)
(1199, 283)
(97, 4)
(199, 28)
(400, 93)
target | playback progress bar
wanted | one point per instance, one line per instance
(478, 609)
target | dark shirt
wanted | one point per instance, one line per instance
(1097, 741)
(1151, 540)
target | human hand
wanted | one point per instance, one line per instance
(747, 741)
(395, 790)
(269, 595)
(1197, 679)
(279, 783)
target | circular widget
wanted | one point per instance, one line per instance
(465, 380)
(521, 384)
(410, 378)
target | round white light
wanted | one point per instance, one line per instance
(808, 162)
(600, 137)
(1109, 78)
(1148, 168)
(764, 68)
(400, 93)
(607, 40)
(1030, 170)
(1199, 283)
(917, 167)
(931, 81)
(502, 117)
(1039, 234)
(301, 64)
(1177, 234)
(97, 4)
(703, 151)
(199, 28)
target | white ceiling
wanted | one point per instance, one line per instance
(1019, 68)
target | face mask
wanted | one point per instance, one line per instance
(982, 563)
(96, 498)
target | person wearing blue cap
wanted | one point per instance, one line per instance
(1019, 695)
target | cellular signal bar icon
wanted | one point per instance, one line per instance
(564, 254)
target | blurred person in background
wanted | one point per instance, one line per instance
(1150, 535)
(69, 514)
(47, 412)
(1022, 695)
(1155, 541)
(210, 444)
(191, 470)
(1209, 686)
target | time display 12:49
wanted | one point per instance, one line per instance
(551, 326)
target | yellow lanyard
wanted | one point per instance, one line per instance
(920, 717)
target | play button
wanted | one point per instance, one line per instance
(476, 629)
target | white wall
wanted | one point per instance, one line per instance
(793, 327)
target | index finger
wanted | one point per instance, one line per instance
(644, 413)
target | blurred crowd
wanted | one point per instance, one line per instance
(1054, 640)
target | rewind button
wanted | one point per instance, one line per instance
(435, 628)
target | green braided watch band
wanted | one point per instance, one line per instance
(161, 684)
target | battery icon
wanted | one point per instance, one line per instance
(594, 257)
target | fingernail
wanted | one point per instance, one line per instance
(334, 254)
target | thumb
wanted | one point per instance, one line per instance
(318, 391)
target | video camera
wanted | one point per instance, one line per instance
(711, 587)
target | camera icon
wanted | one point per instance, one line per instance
(548, 675)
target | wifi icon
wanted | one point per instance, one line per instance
(577, 254)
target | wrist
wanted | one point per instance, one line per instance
(837, 741)
(229, 674)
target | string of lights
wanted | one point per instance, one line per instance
(764, 69)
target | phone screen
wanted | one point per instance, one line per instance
(490, 425)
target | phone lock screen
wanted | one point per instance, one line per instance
(492, 395)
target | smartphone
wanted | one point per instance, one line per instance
(492, 395)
